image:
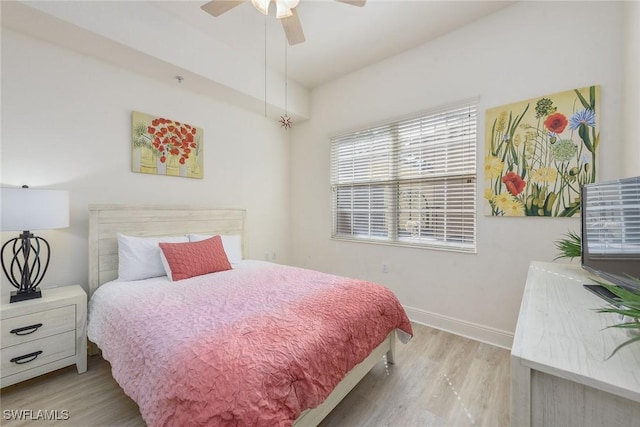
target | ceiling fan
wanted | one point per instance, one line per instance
(285, 11)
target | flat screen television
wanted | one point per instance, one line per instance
(610, 220)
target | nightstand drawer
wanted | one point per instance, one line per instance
(22, 357)
(29, 327)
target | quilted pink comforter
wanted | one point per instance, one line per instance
(253, 346)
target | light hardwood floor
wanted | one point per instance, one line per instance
(439, 379)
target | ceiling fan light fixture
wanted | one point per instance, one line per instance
(289, 3)
(282, 11)
(261, 5)
(285, 10)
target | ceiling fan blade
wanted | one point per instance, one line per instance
(218, 7)
(358, 3)
(292, 28)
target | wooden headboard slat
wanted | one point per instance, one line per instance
(147, 221)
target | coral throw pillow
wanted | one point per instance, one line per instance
(194, 259)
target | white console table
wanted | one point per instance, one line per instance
(559, 375)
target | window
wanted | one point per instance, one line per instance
(410, 182)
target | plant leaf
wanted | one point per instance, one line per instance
(622, 293)
(626, 303)
(583, 131)
(628, 325)
(569, 247)
(624, 344)
(570, 211)
(583, 101)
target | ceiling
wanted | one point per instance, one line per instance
(224, 57)
(340, 38)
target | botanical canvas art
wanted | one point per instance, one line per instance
(539, 152)
(166, 147)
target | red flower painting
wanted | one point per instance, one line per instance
(556, 122)
(171, 137)
(166, 147)
(514, 183)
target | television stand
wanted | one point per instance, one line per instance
(560, 374)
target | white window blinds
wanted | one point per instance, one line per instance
(408, 182)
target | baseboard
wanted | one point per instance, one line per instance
(485, 334)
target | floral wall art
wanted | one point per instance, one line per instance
(166, 147)
(539, 152)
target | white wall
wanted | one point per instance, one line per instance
(631, 105)
(524, 51)
(66, 124)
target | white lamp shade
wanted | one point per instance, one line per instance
(34, 209)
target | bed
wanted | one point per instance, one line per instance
(255, 344)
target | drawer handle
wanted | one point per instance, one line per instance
(31, 356)
(26, 330)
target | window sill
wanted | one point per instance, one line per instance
(443, 247)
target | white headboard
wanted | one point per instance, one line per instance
(150, 220)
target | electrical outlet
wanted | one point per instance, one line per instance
(266, 256)
(385, 268)
(273, 256)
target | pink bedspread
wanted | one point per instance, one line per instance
(253, 346)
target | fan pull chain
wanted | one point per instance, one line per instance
(285, 121)
(265, 65)
(286, 78)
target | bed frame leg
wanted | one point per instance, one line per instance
(391, 353)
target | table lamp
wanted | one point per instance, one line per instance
(25, 258)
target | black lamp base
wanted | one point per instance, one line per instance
(23, 296)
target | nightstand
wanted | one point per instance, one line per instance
(44, 334)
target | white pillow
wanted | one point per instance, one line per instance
(139, 257)
(232, 245)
